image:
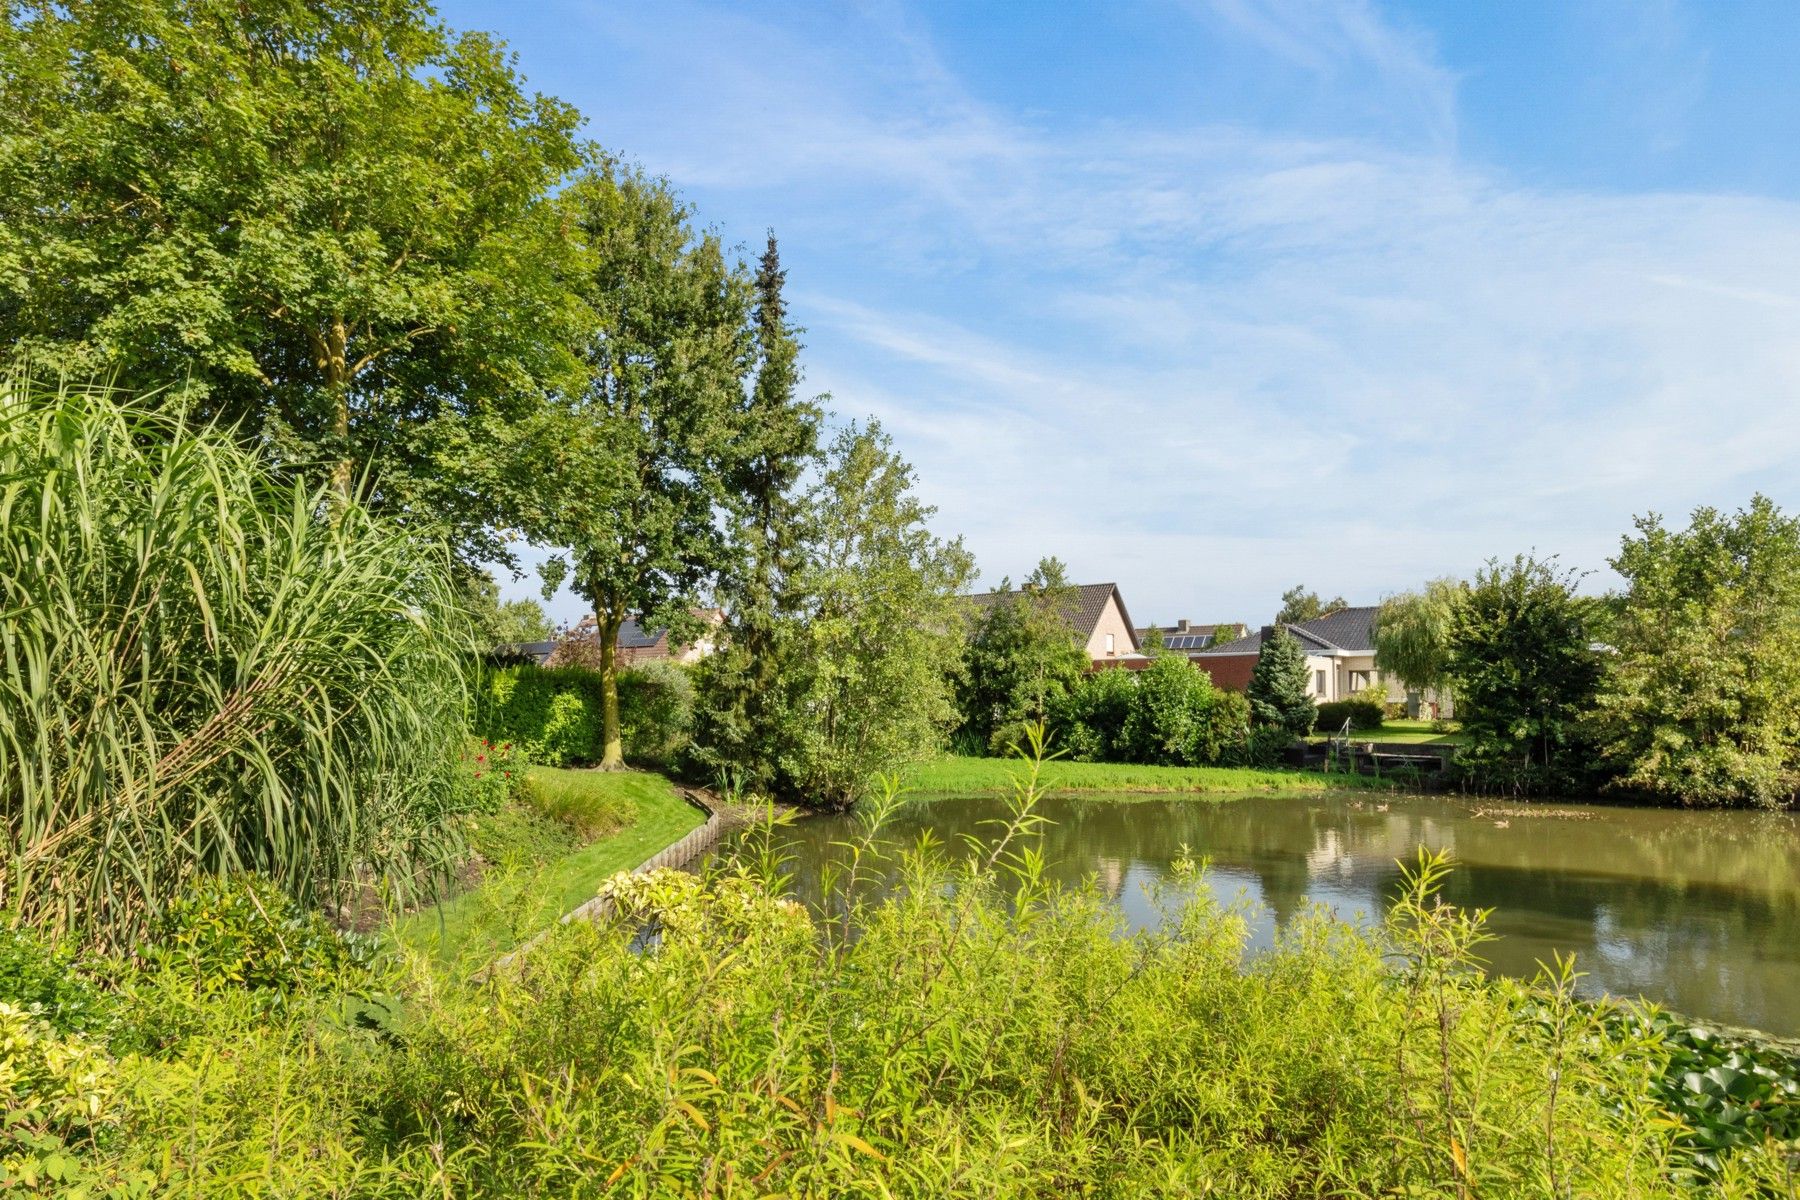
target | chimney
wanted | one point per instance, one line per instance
(1267, 633)
(1181, 626)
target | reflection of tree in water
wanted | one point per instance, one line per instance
(1701, 910)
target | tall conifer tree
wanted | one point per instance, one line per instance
(778, 439)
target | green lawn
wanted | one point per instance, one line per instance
(965, 775)
(511, 906)
(1416, 733)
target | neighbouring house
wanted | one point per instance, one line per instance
(1340, 661)
(1188, 638)
(1097, 617)
(526, 653)
(637, 644)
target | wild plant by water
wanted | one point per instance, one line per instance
(204, 670)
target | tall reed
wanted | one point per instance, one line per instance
(204, 669)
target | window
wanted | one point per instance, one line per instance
(1318, 683)
(1359, 680)
(1109, 643)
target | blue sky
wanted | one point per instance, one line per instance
(1210, 297)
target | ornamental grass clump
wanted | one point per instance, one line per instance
(205, 669)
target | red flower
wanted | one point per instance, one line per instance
(478, 774)
(481, 758)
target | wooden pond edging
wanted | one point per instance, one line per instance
(720, 820)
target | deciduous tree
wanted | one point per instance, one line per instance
(1022, 655)
(1701, 703)
(1298, 604)
(331, 218)
(1525, 674)
(636, 484)
(1412, 634)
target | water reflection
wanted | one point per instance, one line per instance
(1699, 911)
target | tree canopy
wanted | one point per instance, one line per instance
(1412, 634)
(1699, 703)
(1525, 675)
(1022, 655)
(1298, 604)
(331, 219)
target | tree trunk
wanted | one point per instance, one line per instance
(612, 758)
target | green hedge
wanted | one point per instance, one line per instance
(1361, 713)
(554, 713)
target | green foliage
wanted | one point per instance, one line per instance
(1088, 721)
(1699, 702)
(42, 979)
(980, 1033)
(590, 805)
(554, 714)
(1265, 747)
(1521, 657)
(1277, 694)
(739, 686)
(1298, 604)
(866, 667)
(504, 623)
(1412, 634)
(204, 673)
(333, 218)
(60, 1100)
(239, 931)
(1177, 717)
(1022, 657)
(651, 437)
(1362, 714)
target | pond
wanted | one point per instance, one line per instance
(1699, 911)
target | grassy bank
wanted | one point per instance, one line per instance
(613, 820)
(967, 775)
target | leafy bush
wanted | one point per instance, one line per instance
(490, 775)
(1264, 746)
(243, 932)
(207, 669)
(1179, 718)
(554, 713)
(59, 1096)
(1361, 714)
(1088, 722)
(43, 979)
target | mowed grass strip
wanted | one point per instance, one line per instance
(957, 775)
(628, 815)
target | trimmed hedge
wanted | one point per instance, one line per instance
(554, 713)
(1361, 713)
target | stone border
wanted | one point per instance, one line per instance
(720, 820)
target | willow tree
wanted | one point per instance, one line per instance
(635, 485)
(1412, 634)
(331, 219)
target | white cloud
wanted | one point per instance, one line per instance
(1211, 362)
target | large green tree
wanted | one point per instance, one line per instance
(1277, 692)
(1525, 673)
(1298, 604)
(777, 439)
(867, 671)
(1412, 634)
(1022, 656)
(1700, 700)
(330, 218)
(635, 484)
(500, 622)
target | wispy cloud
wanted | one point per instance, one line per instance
(1210, 361)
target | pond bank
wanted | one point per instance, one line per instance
(968, 776)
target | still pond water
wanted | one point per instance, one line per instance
(1699, 911)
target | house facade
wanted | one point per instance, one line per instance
(1096, 616)
(1340, 662)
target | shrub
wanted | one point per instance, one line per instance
(490, 775)
(242, 932)
(580, 801)
(1361, 714)
(207, 669)
(1178, 717)
(553, 714)
(59, 1094)
(44, 980)
(1088, 722)
(1264, 746)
